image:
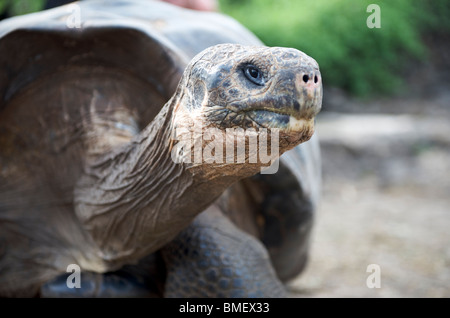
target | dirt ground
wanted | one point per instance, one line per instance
(386, 198)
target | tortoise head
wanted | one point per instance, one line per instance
(252, 87)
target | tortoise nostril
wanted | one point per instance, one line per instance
(305, 78)
(316, 79)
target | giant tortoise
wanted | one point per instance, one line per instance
(92, 116)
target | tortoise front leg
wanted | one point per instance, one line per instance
(213, 258)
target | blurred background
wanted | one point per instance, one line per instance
(385, 137)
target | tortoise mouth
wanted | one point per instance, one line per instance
(286, 122)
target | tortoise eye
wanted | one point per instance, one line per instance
(254, 75)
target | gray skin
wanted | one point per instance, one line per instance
(87, 177)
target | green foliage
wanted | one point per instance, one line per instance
(352, 56)
(19, 7)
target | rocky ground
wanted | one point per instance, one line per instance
(386, 197)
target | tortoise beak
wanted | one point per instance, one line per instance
(308, 87)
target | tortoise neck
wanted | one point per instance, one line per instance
(136, 199)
